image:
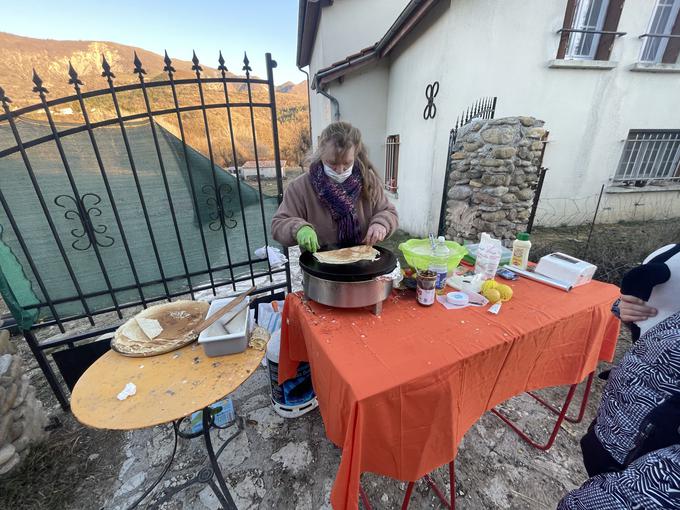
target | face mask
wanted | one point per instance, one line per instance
(338, 177)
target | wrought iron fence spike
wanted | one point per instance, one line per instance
(221, 67)
(37, 80)
(246, 64)
(196, 67)
(107, 73)
(168, 64)
(73, 75)
(3, 98)
(138, 66)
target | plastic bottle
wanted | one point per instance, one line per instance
(520, 251)
(488, 257)
(439, 261)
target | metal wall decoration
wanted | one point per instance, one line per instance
(431, 92)
(95, 240)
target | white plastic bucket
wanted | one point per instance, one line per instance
(296, 396)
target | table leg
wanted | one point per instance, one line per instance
(556, 429)
(582, 409)
(364, 498)
(411, 485)
(150, 489)
(407, 496)
(230, 505)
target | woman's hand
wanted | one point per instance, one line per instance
(632, 309)
(307, 239)
(375, 234)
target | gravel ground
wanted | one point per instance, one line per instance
(289, 464)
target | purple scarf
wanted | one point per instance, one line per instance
(340, 199)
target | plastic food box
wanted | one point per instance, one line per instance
(216, 340)
(471, 256)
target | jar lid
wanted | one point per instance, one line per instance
(523, 236)
(457, 298)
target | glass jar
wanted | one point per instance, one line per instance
(426, 283)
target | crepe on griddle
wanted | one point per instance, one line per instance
(347, 255)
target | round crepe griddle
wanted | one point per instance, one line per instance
(355, 272)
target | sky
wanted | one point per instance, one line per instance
(207, 26)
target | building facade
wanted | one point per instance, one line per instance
(600, 74)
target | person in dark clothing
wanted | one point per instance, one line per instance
(631, 450)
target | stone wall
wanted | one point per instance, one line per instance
(493, 170)
(22, 419)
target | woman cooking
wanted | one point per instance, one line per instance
(340, 202)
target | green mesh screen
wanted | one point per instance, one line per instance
(25, 206)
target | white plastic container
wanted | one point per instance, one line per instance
(281, 406)
(488, 256)
(216, 340)
(520, 251)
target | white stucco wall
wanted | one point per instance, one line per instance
(478, 48)
(363, 102)
(346, 27)
(351, 25)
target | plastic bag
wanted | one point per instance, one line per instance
(488, 257)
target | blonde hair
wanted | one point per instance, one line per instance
(334, 141)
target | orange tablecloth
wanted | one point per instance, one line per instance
(398, 392)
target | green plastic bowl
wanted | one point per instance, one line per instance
(417, 253)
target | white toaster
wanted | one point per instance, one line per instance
(566, 268)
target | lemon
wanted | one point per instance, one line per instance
(505, 291)
(489, 284)
(492, 295)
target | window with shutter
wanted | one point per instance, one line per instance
(659, 44)
(589, 30)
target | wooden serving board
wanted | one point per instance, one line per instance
(178, 319)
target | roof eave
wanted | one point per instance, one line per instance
(309, 14)
(331, 74)
(412, 14)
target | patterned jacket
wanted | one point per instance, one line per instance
(641, 401)
(651, 482)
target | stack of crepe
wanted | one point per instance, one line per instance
(348, 255)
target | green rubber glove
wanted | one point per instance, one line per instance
(306, 238)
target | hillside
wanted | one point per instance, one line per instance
(50, 58)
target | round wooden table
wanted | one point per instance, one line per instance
(170, 387)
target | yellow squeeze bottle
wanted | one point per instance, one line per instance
(520, 251)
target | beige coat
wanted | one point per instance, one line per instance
(301, 206)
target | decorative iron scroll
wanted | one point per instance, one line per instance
(82, 212)
(431, 92)
(220, 216)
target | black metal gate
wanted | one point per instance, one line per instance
(115, 212)
(483, 108)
